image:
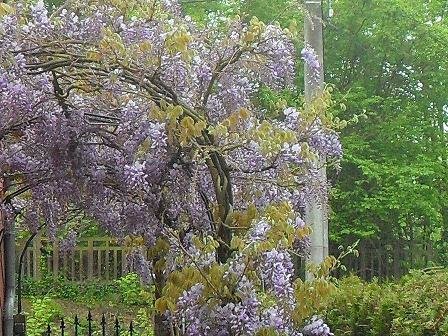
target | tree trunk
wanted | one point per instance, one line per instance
(397, 261)
(362, 261)
(161, 325)
(224, 196)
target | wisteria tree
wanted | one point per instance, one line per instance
(129, 113)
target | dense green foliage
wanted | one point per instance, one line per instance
(132, 292)
(51, 299)
(44, 310)
(417, 305)
(388, 60)
(127, 290)
(48, 299)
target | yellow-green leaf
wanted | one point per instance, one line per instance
(6, 9)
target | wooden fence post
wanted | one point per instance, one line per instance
(362, 260)
(90, 259)
(396, 262)
(115, 264)
(81, 264)
(123, 262)
(107, 260)
(99, 265)
(65, 265)
(72, 266)
(55, 260)
(37, 244)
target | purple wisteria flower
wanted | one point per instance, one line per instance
(68, 243)
(137, 262)
(277, 273)
(311, 60)
(317, 327)
(135, 175)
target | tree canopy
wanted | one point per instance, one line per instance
(388, 60)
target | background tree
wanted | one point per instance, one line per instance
(387, 60)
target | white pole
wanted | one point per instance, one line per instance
(9, 259)
(316, 209)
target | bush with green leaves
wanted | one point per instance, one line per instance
(126, 289)
(62, 288)
(132, 292)
(417, 305)
(44, 311)
(143, 322)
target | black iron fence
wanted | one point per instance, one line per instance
(104, 328)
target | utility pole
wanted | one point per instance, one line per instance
(8, 258)
(316, 214)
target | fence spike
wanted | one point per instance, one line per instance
(62, 327)
(48, 329)
(131, 329)
(103, 325)
(89, 320)
(117, 327)
(76, 325)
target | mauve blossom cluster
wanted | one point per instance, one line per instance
(326, 143)
(310, 57)
(247, 316)
(277, 272)
(68, 242)
(281, 61)
(317, 327)
(145, 123)
(135, 175)
(189, 310)
(225, 319)
(137, 262)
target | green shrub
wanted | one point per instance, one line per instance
(61, 288)
(417, 305)
(127, 290)
(143, 322)
(44, 311)
(131, 290)
(98, 292)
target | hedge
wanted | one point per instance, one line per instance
(416, 305)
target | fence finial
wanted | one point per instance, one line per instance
(89, 320)
(76, 325)
(131, 329)
(103, 325)
(117, 327)
(62, 327)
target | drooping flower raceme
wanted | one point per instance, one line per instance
(317, 327)
(311, 60)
